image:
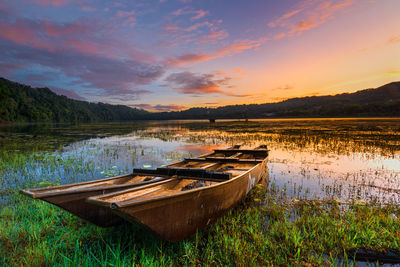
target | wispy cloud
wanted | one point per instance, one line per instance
(51, 2)
(149, 107)
(88, 8)
(68, 93)
(394, 40)
(307, 15)
(285, 87)
(199, 84)
(198, 14)
(236, 47)
(127, 17)
(80, 49)
(392, 73)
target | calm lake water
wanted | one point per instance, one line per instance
(310, 158)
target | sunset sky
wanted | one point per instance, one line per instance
(175, 54)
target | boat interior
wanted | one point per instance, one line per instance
(169, 187)
(241, 154)
(179, 183)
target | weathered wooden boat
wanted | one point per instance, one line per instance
(196, 193)
(72, 197)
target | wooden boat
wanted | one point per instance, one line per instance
(72, 197)
(196, 193)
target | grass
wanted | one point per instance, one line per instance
(262, 230)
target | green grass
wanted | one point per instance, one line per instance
(262, 230)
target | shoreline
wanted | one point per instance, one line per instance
(207, 120)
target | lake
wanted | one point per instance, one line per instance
(341, 159)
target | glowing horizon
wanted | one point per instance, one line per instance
(175, 54)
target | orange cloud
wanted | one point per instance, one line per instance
(308, 15)
(237, 47)
(199, 84)
(394, 40)
(392, 73)
(279, 36)
(284, 88)
(170, 107)
(288, 15)
(220, 72)
(188, 58)
(214, 36)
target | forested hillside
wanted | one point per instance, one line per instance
(382, 101)
(21, 103)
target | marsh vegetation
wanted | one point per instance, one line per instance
(333, 187)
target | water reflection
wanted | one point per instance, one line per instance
(312, 159)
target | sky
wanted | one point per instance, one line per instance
(164, 55)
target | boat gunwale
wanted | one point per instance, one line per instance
(126, 203)
(51, 193)
(36, 195)
(96, 199)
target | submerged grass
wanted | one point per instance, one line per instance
(262, 230)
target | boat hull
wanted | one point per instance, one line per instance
(180, 216)
(74, 201)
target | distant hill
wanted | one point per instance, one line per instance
(382, 101)
(22, 103)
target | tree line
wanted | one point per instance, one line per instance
(22, 103)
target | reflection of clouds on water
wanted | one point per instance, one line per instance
(198, 148)
(309, 158)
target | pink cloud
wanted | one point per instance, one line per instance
(87, 37)
(213, 36)
(236, 47)
(188, 59)
(127, 16)
(308, 15)
(17, 33)
(57, 29)
(285, 16)
(88, 8)
(220, 72)
(198, 14)
(84, 47)
(131, 21)
(68, 93)
(81, 50)
(199, 84)
(51, 2)
(123, 14)
(169, 27)
(170, 107)
(196, 26)
(279, 36)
